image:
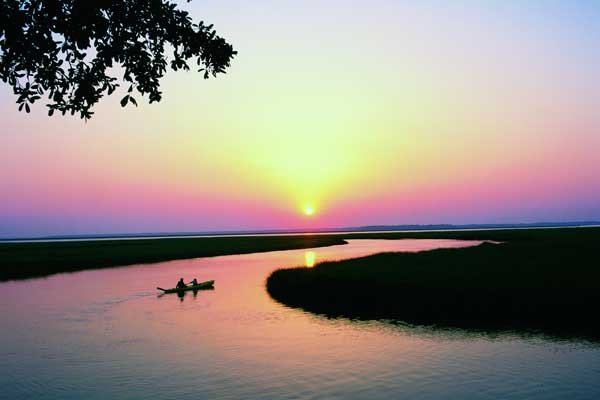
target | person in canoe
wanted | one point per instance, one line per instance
(180, 284)
(194, 282)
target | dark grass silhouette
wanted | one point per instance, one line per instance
(27, 260)
(546, 279)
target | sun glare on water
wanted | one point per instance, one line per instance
(309, 258)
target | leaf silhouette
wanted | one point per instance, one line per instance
(65, 50)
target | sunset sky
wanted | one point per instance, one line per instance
(363, 112)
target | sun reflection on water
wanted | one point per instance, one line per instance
(309, 258)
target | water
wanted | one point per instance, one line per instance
(107, 334)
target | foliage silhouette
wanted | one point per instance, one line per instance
(64, 49)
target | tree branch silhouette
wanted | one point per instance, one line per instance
(64, 50)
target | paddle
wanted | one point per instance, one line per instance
(159, 288)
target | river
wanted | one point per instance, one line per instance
(108, 334)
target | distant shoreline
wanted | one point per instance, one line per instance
(324, 231)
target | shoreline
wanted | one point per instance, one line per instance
(33, 260)
(24, 260)
(535, 280)
(318, 232)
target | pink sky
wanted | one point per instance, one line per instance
(378, 114)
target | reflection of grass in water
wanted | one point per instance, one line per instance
(447, 333)
(544, 279)
(25, 260)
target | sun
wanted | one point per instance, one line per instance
(308, 210)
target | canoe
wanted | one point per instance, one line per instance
(201, 285)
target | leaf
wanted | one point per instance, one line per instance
(71, 61)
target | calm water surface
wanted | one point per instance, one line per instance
(106, 334)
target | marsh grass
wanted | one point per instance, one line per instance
(27, 260)
(545, 279)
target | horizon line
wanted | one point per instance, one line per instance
(275, 231)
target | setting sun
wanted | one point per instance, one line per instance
(308, 210)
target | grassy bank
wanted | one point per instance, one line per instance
(540, 279)
(27, 260)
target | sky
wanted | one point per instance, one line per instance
(356, 112)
